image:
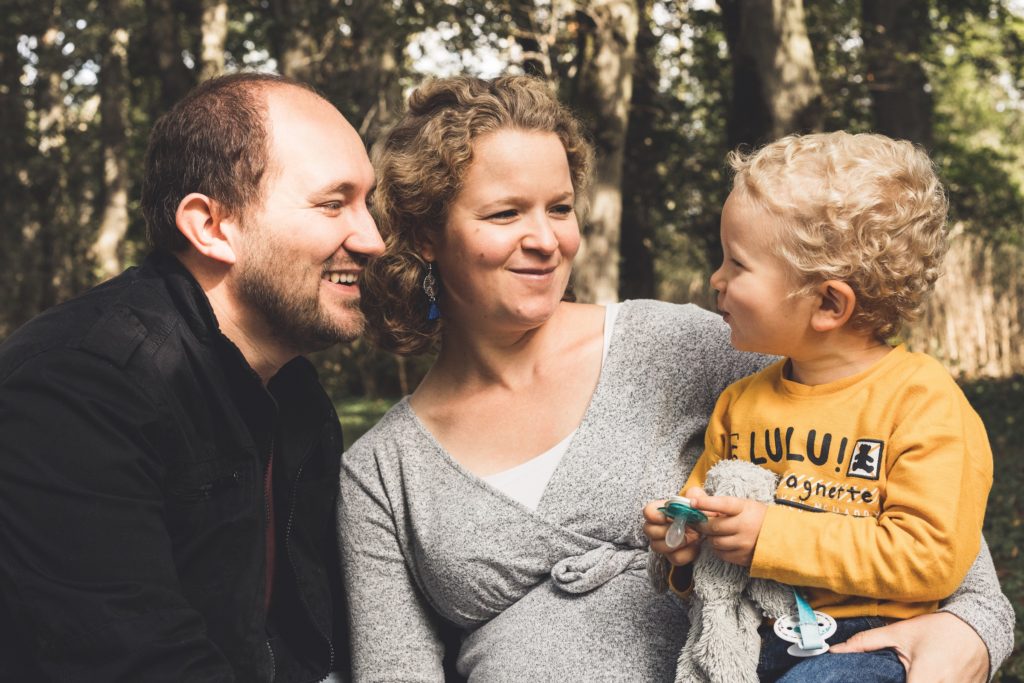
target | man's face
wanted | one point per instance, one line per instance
(301, 252)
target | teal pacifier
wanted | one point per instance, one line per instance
(681, 512)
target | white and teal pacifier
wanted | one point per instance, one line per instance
(807, 629)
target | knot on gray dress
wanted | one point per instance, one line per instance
(583, 573)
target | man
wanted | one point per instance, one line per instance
(169, 462)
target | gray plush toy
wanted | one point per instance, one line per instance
(727, 606)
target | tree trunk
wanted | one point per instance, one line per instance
(113, 89)
(49, 181)
(376, 55)
(295, 47)
(603, 89)
(165, 41)
(15, 201)
(385, 103)
(775, 86)
(638, 234)
(14, 148)
(12, 115)
(895, 33)
(214, 35)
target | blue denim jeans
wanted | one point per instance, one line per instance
(881, 666)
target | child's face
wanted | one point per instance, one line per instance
(754, 285)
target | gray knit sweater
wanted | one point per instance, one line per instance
(559, 593)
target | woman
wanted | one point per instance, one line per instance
(501, 500)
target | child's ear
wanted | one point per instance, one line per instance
(205, 225)
(835, 304)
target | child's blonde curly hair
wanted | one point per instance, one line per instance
(864, 209)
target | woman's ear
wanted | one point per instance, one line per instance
(836, 302)
(426, 247)
(205, 225)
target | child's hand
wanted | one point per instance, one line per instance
(733, 527)
(656, 525)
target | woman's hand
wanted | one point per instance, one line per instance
(934, 648)
(656, 525)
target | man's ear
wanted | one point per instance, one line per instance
(836, 302)
(203, 221)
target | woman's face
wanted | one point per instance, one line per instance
(506, 251)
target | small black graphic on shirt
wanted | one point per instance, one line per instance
(866, 459)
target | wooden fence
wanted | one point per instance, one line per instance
(972, 322)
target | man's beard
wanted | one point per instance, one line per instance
(295, 317)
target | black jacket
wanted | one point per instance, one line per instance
(134, 440)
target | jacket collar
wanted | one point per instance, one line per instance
(296, 378)
(189, 298)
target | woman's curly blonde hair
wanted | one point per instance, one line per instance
(864, 209)
(421, 163)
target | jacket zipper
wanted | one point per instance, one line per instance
(270, 533)
(288, 551)
(268, 491)
(273, 662)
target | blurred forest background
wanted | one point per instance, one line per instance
(666, 88)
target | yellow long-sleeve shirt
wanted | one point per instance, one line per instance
(896, 450)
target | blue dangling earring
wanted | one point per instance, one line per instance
(430, 289)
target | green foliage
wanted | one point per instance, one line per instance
(974, 61)
(979, 118)
(998, 402)
(359, 369)
(681, 156)
(358, 415)
(835, 34)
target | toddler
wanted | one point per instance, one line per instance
(831, 242)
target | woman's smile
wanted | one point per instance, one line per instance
(535, 273)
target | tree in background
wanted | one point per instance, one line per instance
(213, 38)
(114, 103)
(666, 86)
(775, 84)
(640, 166)
(169, 27)
(601, 93)
(896, 34)
(15, 151)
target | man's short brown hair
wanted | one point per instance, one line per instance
(214, 141)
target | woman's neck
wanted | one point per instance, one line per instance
(471, 357)
(485, 388)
